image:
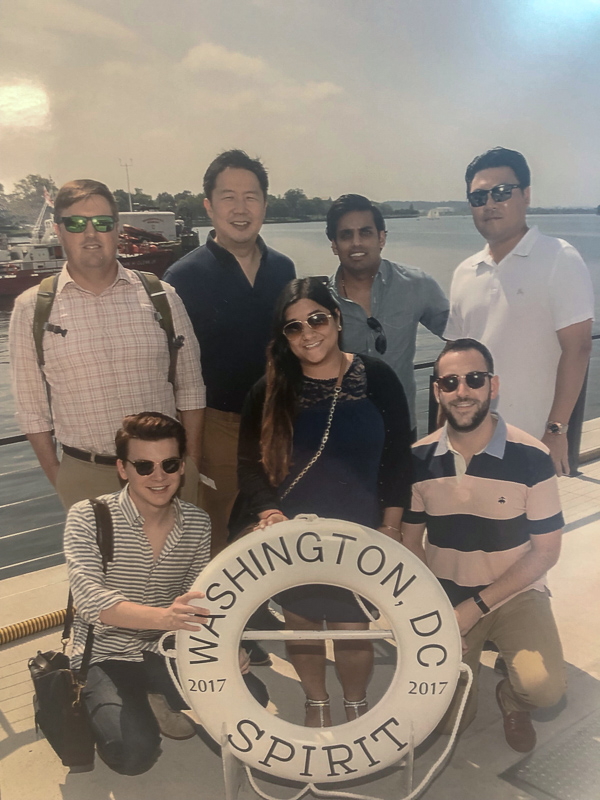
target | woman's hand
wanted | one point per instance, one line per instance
(270, 517)
(180, 616)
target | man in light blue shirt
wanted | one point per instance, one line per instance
(382, 302)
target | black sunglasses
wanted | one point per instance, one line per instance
(168, 465)
(474, 380)
(317, 320)
(77, 223)
(380, 341)
(501, 192)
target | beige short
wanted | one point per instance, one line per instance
(219, 463)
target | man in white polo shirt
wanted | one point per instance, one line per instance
(529, 298)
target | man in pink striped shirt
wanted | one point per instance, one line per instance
(105, 355)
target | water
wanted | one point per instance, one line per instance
(31, 531)
(436, 246)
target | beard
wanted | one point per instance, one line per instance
(465, 427)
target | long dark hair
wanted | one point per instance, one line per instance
(284, 378)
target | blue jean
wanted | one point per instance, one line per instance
(116, 698)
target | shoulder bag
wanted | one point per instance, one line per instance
(59, 711)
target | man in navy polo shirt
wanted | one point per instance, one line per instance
(229, 287)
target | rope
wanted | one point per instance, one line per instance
(415, 792)
(30, 626)
(171, 655)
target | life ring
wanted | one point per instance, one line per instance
(343, 554)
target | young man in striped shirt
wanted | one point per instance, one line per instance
(161, 544)
(487, 494)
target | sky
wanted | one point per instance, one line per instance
(387, 98)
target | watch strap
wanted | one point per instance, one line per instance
(481, 603)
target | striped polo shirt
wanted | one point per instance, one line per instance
(133, 574)
(480, 518)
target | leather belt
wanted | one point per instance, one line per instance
(85, 455)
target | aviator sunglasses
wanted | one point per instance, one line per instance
(500, 193)
(381, 340)
(474, 380)
(77, 223)
(168, 465)
(315, 321)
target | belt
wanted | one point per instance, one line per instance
(85, 455)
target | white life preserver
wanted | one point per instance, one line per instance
(343, 554)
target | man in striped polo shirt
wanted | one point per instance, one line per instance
(487, 494)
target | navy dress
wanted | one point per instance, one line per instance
(364, 467)
(341, 484)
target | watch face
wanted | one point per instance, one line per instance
(553, 427)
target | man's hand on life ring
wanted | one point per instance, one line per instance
(468, 614)
(181, 616)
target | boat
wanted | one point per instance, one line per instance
(142, 246)
(433, 213)
(25, 265)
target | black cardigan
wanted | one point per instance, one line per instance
(395, 471)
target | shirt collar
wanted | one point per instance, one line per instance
(133, 516)
(523, 247)
(383, 274)
(64, 279)
(129, 509)
(224, 257)
(495, 447)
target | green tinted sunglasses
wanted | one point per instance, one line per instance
(77, 223)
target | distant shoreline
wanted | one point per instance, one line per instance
(285, 220)
(201, 223)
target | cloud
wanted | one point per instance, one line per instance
(314, 91)
(240, 81)
(210, 57)
(64, 18)
(339, 96)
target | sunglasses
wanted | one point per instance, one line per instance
(315, 321)
(77, 223)
(499, 193)
(474, 380)
(168, 465)
(380, 341)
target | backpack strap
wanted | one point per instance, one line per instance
(104, 531)
(43, 306)
(158, 296)
(105, 540)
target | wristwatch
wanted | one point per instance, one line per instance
(556, 427)
(485, 609)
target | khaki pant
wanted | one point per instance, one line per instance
(219, 463)
(525, 633)
(80, 480)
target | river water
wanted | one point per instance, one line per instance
(436, 246)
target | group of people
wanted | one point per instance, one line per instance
(293, 396)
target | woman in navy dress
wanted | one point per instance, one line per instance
(353, 410)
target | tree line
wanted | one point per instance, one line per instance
(24, 203)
